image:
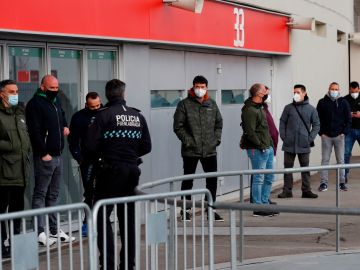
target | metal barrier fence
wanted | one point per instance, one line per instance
(158, 233)
(25, 253)
(335, 211)
(160, 242)
(240, 207)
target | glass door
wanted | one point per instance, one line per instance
(66, 67)
(26, 66)
(101, 68)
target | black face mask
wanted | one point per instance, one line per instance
(92, 112)
(265, 97)
(51, 95)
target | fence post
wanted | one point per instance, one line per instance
(172, 235)
(337, 206)
(241, 232)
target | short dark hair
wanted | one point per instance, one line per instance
(200, 79)
(91, 95)
(5, 83)
(114, 89)
(254, 89)
(301, 86)
(354, 84)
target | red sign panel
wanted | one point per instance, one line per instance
(23, 76)
(220, 24)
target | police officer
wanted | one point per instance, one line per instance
(119, 136)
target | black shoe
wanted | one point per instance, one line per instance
(285, 194)
(218, 218)
(323, 187)
(5, 252)
(271, 202)
(343, 187)
(309, 195)
(187, 216)
(262, 214)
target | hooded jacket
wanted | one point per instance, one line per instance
(198, 126)
(46, 122)
(15, 147)
(255, 127)
(296, 139)
(335, 116)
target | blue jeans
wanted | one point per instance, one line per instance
(262, 183)
(350, 139)
(47, 188)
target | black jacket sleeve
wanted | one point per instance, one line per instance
(74, 138)
(35, 123)
(145, 146)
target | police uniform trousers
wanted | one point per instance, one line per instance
(113, 181)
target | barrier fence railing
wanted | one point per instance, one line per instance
(25, 252)
(338, 167)
(157, 229)
(157, 226)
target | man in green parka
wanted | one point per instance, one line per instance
(198, 125)
(15, 152)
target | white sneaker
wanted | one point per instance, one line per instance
(63, 237)
(44, 240)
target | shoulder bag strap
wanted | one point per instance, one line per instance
(302, 119)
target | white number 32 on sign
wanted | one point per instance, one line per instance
(239, 40)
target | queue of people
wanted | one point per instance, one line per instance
(109, 141)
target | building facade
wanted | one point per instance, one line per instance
(157, 49)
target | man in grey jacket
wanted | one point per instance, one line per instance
(299, 124)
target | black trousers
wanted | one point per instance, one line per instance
(11, 199)
(87, 170)
(289, 159)
(119, 181)
(209, 164)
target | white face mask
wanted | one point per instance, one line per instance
(268, 99)
(199, 92)
(354, 95)
(297, 97)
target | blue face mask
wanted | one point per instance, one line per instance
(13, 100)
(334, 94)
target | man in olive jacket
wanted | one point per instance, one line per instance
(259, 145)
(14, 151)
(299, 125)
(198, 125)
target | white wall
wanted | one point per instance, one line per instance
(315, 60)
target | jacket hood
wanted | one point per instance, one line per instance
(249, 102)
(191, 93)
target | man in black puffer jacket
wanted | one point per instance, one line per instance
(335, 123)
(47, 127)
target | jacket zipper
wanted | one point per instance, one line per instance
(58, 120)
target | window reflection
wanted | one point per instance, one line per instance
(166, 98)
(233, 96)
